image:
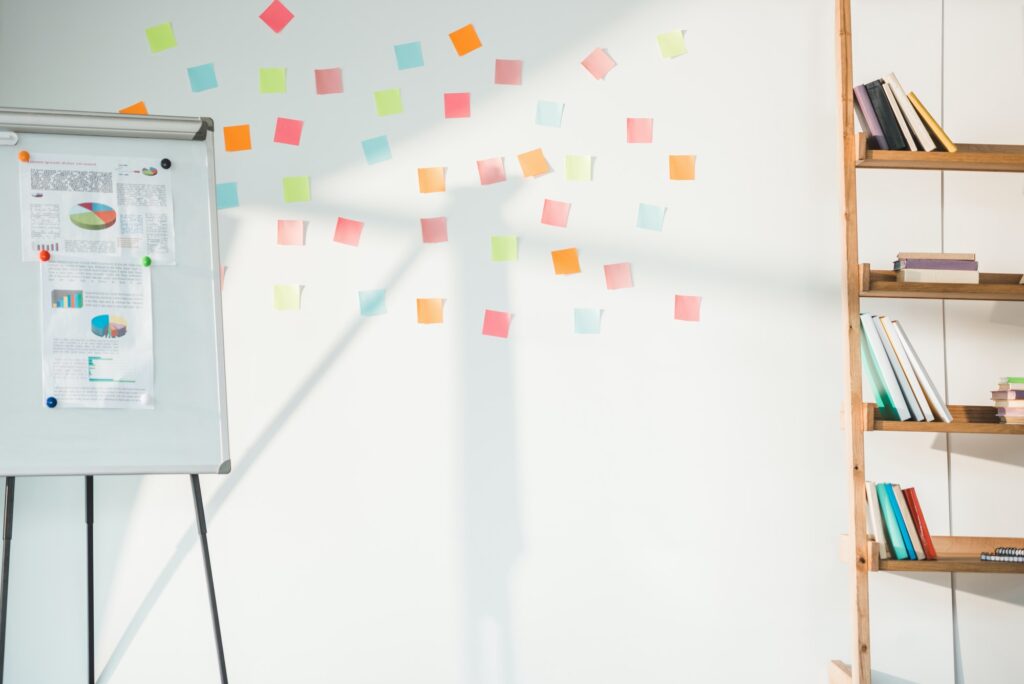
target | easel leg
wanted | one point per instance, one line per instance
(5, 567)
(89, 578)
(197, 496)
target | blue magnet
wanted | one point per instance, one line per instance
(51, 402)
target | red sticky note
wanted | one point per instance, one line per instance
(496, 323)
(687, 308)
(555, 213)
(618, 276)
(456, 105)
(348, 232)
(276, 16)
(639, 130)
(291, 233)
(508, 71)
(491, 170)
(434, 229)
(328, 81)
(598, 63)
(288, 131)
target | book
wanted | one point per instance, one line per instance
(876, 139)
(896, 406)
(892, 528)
(944, 256)
(1010, 412)
(943, 264)
(886, 117)
(875, 516)
(915, 538)
(1008, 403)
(901, 525)
(931, 392)
(922, 527)
(1008, 386)
(928, 275)
(1012, 380)
(901, 376)
(1002, 559)
(1012, 420)
(904, 361)
(933, 126)
(917, 127)
(904, 129)
(1007, 395)
(1009, 551)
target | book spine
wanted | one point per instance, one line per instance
(908, 520)
(877, 524)
(930, 275)
(886, 117)
(1009, 551)
(904, 361)
(897, 407)
(940, 256)
(900, 522)
(920, 131)
(933, 126)
(892, 528)
(930, 390)
(940, 264)
(909, 139)
(901, 377)
(874, 129)
(1002, 559)
(919, 522)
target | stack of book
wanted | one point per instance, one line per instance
(936, 267)
(902, 388)
(895, 120)
(896, 522)
(1009, 400)
(1005, 554)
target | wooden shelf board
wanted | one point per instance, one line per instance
(955, 554)
(968, 157)
(993, 287)
(966, 419)
(951, 565)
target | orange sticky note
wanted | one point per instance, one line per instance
(687, 308)
(137, 108)
(431, 179)
(566, 261)
(681, 166)
(430, 311)
(236, 138)
(465, 39)
(533, 163)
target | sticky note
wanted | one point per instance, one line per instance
(371, 302)
(137, 108)
(223, 272)
(496, 323)
(273, 80)
(508, 71)
(287, 297)
(650, 217)
(578, 167)
(598, 63)
(431, 178)
(288, 131)
(682, 166)
(533, 163)
(555, 213)
(328, 81)
(504, 248)
(566, 261)
(456, 105)
(639, 130)
(618, 276)
(465, 40)
(348, 231)
(276, 16)
(388, 101)
(549, 113)
(588, 321)
(429, 311)
(296, 188)
(291, 232)
(687, 308)
(434, 229)
(236, 138)
(227, 195)
(202, 77)
(491, 170)
(672, 44)
(376, 149)
(409, 55)
(161, 37)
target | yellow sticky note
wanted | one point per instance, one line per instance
(578, 167)
(431, 179)
(430, 311)
(504, 248)
(672, 44)
(388, 101)
(273, 80)
(287, 297)
(296, 188)
(533, 163)
(566, 261)
(682, 166)
(161, 37)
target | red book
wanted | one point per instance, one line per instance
(922, 527)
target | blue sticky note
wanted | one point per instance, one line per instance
(650, 217)
(376, 149)
(202, 77)
(371, 302)
(227, 195)
(409, 55)
(588, 321)
(549, 113)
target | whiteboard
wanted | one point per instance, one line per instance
(186, 431)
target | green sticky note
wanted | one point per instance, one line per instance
(504, 248)
(161, 37)
(577, 167)
(672, 44)
(287, 297)
(273, 80)
(388, 101)
(296, 188)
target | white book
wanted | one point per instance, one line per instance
(875, 517)
(901, 355)
(937, 275)
(899, 117)
(920, 131)
(908, 520)
(892, 387)
(901, 377)
(930, 390)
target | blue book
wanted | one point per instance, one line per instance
(892, 528)
(900, 521)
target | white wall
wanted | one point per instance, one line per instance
(659, 503)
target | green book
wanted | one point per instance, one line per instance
(1012, 380)
(874, 376)
(892, 525)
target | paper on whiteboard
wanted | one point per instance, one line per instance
(97, 334)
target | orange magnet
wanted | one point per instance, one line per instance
(24, 156)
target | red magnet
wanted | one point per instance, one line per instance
(44, 255)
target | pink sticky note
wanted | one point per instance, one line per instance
(434, 229)
(288, 131)
(223, 270)
(456, 105)
(491, 170)
(687, 308)
(555, 213)
(618, 276)
(328, 81)
(291, 233)
(348, 232)
(496, 323)
(598, 63)
(508, 71)
(276, 16)
(639, 130)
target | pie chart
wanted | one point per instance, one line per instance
(109, 326)
(93, 216)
